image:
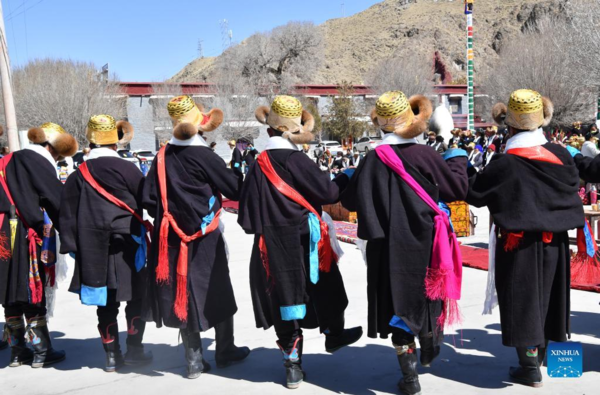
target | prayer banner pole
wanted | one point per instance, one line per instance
(470, 95)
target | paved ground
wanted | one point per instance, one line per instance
(477, 364)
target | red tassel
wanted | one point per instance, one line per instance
(162, 269)
(547, 237)
(326, 254)
(512, 241)
(584, 269)
(181, 300)
(435, 284)
(5, 253)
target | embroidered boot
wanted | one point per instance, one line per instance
(337, 337)
(39, 337)
(292, 360)
(429, 351)
(110, 341)
(14, 333)
(135, 355)
(227, 352)
(196, 365)
(528, 373)
(407, 357)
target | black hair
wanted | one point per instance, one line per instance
(439, 139)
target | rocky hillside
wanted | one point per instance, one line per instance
(353, 45)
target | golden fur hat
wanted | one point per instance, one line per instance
(408, 118)
(104, 130)
(188, 117)
(526, 110)
(63, 143)
(287, 116)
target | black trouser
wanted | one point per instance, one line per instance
(107, 317)
(288, 331)
(400, 337)
(26, 309)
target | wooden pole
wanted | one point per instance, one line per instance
(9, 104)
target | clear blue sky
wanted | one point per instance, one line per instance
(148, 40)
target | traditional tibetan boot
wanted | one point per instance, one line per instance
(337, 337)
(292, 360)
(227, 352)
(528, 373)
(429, 351)
(14, 333)
(135, 355)
(196, 365)
(39, 337)
(407, 357)
(110, 342)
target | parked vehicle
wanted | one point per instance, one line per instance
(366, 144)
(333, 146)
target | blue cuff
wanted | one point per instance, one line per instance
(573, 151)
(349, 172)
(91, 296)
(291, 313)
(455, 153)
(236, 165)
(398, 322)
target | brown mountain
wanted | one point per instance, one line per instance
(353, 45)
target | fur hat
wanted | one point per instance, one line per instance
(287, 116)
(408, 118)
(104, 130)
(527, 110)
(63, 143)
(188, 117)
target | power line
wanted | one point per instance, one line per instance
(10, 13)
(25, 10)
(14, 39)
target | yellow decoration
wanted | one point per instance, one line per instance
(184, 109)
(102, 130)
(392, 104)
(287, 107)
(50, 128)
(525, 101)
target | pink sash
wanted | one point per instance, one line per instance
(444, 275)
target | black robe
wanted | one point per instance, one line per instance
(99, 233)
(589, 168)
(236, 160)
(284, 224)
(532, 281)
(33, 183)
(398, 226)
(194, 176)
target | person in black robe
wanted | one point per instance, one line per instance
(236, 157)
(398, 227)
(106, 238)
(195, 294)
(250, 156)
(531, 192)
(288, 289)
(31, 179)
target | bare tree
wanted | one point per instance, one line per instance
(277, 59)
(64, 92)
(412, 75)
(542, 58)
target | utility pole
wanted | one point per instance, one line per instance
(9, 104)
(470, 64)
(200, 49)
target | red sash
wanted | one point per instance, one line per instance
(326, 253)
(162, 269)
(87, 176)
